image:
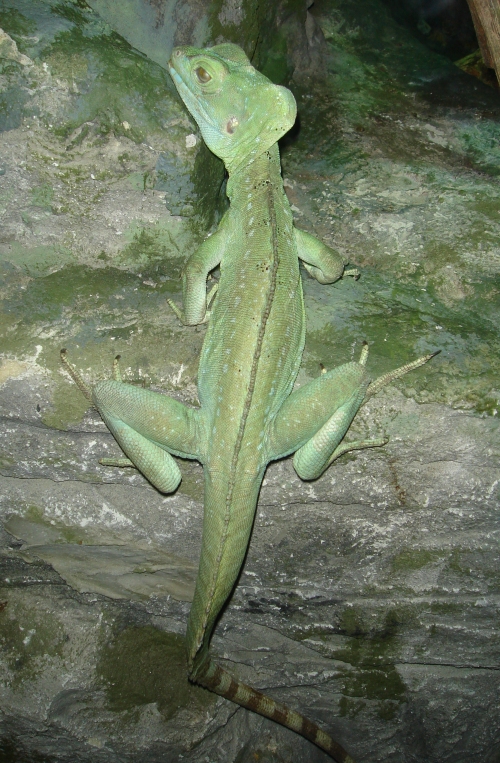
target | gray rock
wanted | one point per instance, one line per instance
(369, 598)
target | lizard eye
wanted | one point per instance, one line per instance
(202, 75)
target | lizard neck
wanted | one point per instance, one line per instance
(254, 174)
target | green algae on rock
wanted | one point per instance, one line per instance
(395, 165)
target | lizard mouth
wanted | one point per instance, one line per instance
(193, 104)
(173, 72)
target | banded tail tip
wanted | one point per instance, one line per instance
(218, 680)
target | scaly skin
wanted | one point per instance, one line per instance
(248, 414)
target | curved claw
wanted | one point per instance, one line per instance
(180, 313)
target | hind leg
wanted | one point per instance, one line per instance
(147, 425)
(314, 420)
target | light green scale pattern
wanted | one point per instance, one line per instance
(248, 414)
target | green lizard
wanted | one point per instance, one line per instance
(249, 414)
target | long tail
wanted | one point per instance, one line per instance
(213, 677)
(226, 535)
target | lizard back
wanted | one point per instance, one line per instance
(249, 362)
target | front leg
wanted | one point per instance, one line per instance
(147, 425)
(321, 261)
(194, 278)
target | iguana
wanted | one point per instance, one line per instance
(249, 413)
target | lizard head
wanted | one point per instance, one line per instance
(239, 111)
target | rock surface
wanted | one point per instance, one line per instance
(369, 599)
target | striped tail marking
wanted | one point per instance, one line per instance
(218, 680)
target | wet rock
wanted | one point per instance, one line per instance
(369, 598)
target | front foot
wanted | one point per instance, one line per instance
(195, 320)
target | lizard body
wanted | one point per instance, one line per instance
(249, 414)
